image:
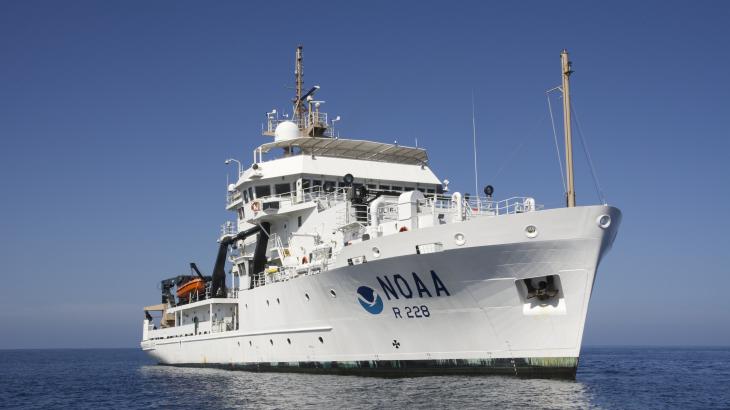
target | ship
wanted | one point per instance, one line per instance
(352, 257)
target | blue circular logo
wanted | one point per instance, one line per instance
(369, 299)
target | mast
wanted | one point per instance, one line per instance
(567, 71)
(299, 73)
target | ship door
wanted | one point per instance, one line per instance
(299, 195)
(195, 320)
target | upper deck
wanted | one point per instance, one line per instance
(351, 149)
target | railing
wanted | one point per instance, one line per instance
(325, 199)
(472, 206)
(311, 119)
(481, 206)
(228, 228)
(176, 331)
(316, 119)
(284, 273)
(221, 325)
(232, 197)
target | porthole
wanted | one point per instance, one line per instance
(288, 340)
(321, 340)
(333, 293)
(306, 296)
(277, 301)
(604, 221)
(531, 231)
(271, 341)
(459, 239)
(376, 252)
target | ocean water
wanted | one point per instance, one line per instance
(612, 378)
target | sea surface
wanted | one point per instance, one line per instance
(612, 378)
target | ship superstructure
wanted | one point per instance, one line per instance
(351, 256)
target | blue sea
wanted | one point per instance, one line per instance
(611, 378)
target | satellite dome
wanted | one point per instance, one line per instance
(286, 130)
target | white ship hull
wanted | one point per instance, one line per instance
(463, 309)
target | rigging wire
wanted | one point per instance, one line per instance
(474, 135)
(599, 191)
(516, 150)
(555, 137)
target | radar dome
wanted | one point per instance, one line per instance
(286, 130)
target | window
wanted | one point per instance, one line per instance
(396, 188)
(372, 186)
(385, 187)
(316, 182)
(262, 191)
(245, 196)
(250, 193)
(430, 191)
(284, 188)
(299, 221)
(306, 184)
(421, 189)
(408, 188)
(240, 213)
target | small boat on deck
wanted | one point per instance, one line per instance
(192, 286)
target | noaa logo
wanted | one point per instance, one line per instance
(369, 300)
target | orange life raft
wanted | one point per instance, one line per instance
(191, 286)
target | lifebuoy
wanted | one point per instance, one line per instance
(255, 206)
(304, 260)
(403, 229)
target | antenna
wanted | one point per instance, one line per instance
(567, 71)
(474, 136)
(299, 74)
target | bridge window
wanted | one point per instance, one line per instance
(262, 191)
(280, 189)
(385, 187)
(245, 196)
(316, 183)
(250, 193)
(396, 188)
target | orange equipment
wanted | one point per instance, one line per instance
(191, 286)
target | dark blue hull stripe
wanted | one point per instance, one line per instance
(547, 367)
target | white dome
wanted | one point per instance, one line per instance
(286, 130)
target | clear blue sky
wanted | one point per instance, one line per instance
(115, 119)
